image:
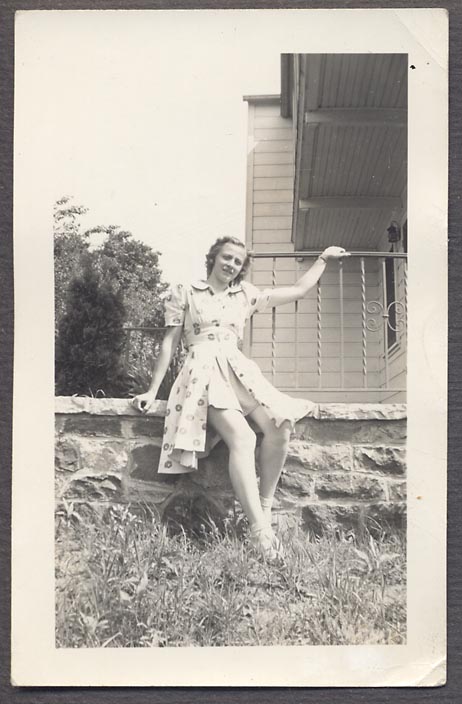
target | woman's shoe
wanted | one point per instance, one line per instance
(266, 544)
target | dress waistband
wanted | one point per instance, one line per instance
(215, 333)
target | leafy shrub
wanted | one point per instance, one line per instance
(90, 338)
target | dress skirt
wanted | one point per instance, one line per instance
(216, 373)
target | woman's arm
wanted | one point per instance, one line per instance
(288, 294)
(143, 402)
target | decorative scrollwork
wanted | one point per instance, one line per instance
(376, 308)
(400, 316)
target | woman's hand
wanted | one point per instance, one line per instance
(143, 402)
(335, 253)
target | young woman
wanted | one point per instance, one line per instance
(219, 387)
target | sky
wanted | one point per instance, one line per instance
(143, 122)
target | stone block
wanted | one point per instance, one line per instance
(397, 491)
(67, 455)
(362, 411)
(213, 470)
(103, 406)
(343, 486)
(296, 483)
(356, 432)
(94, 426)
(385, 460)
(144, 463)
(59, 424)
(151, 492)
(321, 518)
(389, 514)
(100, 456)
(86, 486)
(195, 507)
(315, 458)
(143, 426)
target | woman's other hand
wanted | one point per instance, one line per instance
(335, 253)
(143, 402)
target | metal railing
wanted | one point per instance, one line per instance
(378, 325)
(377, 314)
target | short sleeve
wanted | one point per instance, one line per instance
(258, 300)
(175, 305)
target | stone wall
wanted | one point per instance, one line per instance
(348, 464)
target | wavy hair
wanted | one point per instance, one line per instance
(216, 247)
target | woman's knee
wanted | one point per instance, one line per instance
(242, 440)
(278, 436)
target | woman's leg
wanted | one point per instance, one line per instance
(240, 440)
(273, 452)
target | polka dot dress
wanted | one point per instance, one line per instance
(215, 372)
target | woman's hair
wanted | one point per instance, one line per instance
(215, 248)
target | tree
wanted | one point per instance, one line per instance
(133, 267)
(90, 338)
(125, 269)
(70, 248)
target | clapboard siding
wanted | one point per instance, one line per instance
(278, 145)
(274, 158)
(272, 122)
(273, 170)
(309, 349)
(288, 380)
(272, 209)
(267, 110)
(274, 196)
(273, 236)
(274, 183)
(269, 247)
(273, 135)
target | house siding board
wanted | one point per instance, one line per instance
(273, 135)
(273, 236)
(274, 158)
(273, 170)
(278, 145)
(272, 183)
(273, 209)
(273, 196)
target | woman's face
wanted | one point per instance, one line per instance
(228, 262)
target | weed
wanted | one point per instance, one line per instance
(124, 580)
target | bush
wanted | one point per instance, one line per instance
(90, 338)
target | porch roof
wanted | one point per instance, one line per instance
(350, 121)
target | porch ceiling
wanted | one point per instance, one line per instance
(351, 148)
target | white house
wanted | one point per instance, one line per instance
(327, 164)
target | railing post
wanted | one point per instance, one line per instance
(363, 322)
(342, 333)
(318, 333)
(385, 319)
(296, 329)
(273, 327)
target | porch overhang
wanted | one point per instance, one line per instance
(350, 122)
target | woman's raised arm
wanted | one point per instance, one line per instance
(172, 337)
(288, 294)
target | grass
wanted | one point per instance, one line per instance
(125, 580)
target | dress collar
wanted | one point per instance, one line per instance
(203, 285)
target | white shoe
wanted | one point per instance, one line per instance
(266, 543)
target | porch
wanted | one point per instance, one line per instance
(344, 342)
(327, 166)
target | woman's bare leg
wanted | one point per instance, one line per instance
(240, 440)
(273, 452)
